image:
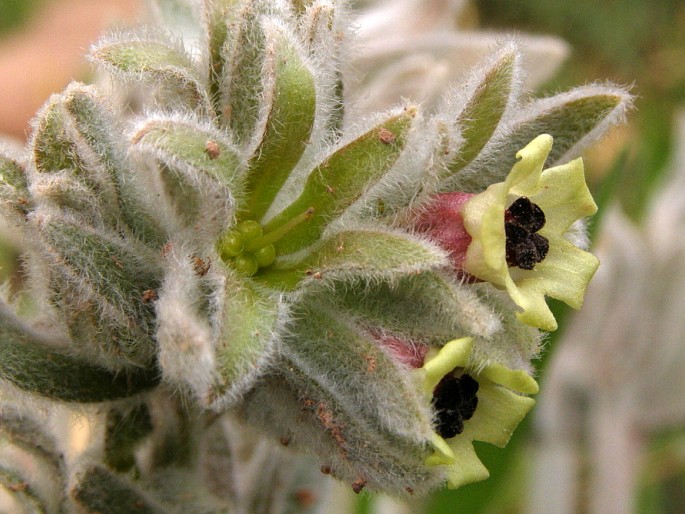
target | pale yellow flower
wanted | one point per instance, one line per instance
(501, 407)
(564, 198)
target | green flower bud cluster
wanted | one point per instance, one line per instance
(246, 248)
(214, 273)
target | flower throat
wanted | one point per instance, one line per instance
(525, 247)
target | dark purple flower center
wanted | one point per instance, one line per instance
(525, 248)
(454, 401)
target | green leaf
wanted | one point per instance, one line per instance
(97, 141)
(82, 165)
(29, 429)
(430, 306)
(484, 109)
(216, 332)
(191, 148)
(156, 60)
(368, 254)
(52, 149)
(126, 426)
(574, 119)
(335, 392)
(569, 118)
(108, 265)
(244, 54)
(217, 16)
(201, 170)
(321, 36)
(100, 491)
(340, 180)
(31, 363)
(15, 199)
(110, 272)
(346, 361)
(248, 338)
(290, 97)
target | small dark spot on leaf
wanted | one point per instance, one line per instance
(386, 136)
(149, 295)
(19, 487)
(358, 485)
(212, 149)
(201, 266)
(305, 498)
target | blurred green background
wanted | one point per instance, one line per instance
(14, 12)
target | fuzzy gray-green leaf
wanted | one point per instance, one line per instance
(31, 363)
(190, 147)
(484, 109)
(201, 169)
(101, 146)
(428, 307)
(291, 98)
(156, 60)
(71, 159)
(109, 270)
(100, 491)
(31, 463)
(244, 54)
(337, 394)
(248, 339)
(126, 426)
(15, 199)
(217, 17)
(346, 361)
(108, 265)
(574, 119)
(52, 150)
(340, 180)
(369, 254)
(570, 118)
(216, 331)
(321, 35)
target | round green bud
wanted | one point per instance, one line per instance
(265, 256)
(246, 264)
(250, 229)
(230, 245)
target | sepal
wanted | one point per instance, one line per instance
(593, 109)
